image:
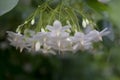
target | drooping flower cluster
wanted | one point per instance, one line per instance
(56, 38)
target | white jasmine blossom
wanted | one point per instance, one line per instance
(56, 39)
(16, 40)
(58, 36)
(36, 41)
(95, 36)
(80, 43)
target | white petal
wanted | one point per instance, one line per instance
(50, 28)
(64, 35)
(57, 24)
(65, 28)
(37, 46)
(75, 47)
(93, 36)
(104, 32)
(79, 34)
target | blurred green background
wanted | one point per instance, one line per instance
(101, 64)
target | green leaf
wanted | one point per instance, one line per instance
(97, 6)
(7, 5)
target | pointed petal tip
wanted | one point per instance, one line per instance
(57, 23)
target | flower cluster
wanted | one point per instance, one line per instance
(55, 38)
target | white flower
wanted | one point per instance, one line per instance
(95, 36)
(79, 42)
(58, 36)
(35, 42)
(16, 40)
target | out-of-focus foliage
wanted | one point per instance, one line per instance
(114, 12)
(7, 5)
(101, 64)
